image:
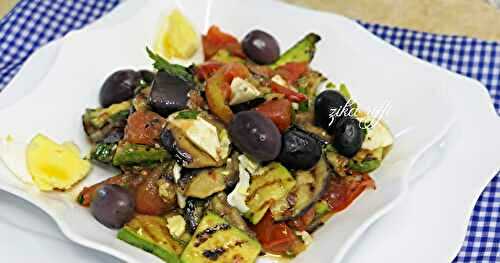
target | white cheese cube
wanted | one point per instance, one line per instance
(242, 91)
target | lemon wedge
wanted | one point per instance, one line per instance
(55, 166)
(177, 37)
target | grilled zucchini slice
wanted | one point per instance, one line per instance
(151, 234)
(215, 240)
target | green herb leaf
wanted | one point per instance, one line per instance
(173, 69)
(192, 114)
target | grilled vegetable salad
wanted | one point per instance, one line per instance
(230, 159)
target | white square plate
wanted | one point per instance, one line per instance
(375, 72)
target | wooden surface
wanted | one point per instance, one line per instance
(473, 18)
(6, 5)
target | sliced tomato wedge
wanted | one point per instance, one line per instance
(279, 111)
(216, 40)
(292, 71)
(342, 191)
(144, 127)
(275, 238)
(289, 93)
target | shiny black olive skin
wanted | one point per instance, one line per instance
(348, 136)
(113, 206)
(119, 86)
(147, 75)
(168, 93)
(300, 150)
(261, 47)
(255, 135)
(324, 104)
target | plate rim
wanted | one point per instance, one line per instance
(366, 224)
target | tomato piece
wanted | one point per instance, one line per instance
(87, 194)
(148, 200)
(289, 94)
(276, 238)
(342, 191)
(130, 181)
(301, 223)
(144, 127)
(216, 40)
(207, 69)
(292, 71)
(279, 111)
(233, 70)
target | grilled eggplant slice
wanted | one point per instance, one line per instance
(151, 234)
(215, 240)
(308, 189)
(194, 212)
(267, 188)
(202, 183)
(218, 205)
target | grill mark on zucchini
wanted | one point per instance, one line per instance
(267, 184)
(207, 233)
(214, 254)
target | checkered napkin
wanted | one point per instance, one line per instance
(33, 23)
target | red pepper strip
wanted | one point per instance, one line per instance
(289, 94)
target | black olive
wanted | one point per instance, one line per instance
(348, 136)
(300, 150)
(147, 75)
(112, 206)
(261, 47)
(169, 93)
(327, 102)
(256, 135)
(119, 86)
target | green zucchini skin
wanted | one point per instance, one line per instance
(134, 239)
(150, 234)
(103, 152)
(137, 154)
(302, 51)
(100, 122)
(365, 166)
(215, 240)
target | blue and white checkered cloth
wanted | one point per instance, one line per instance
(33, 23)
